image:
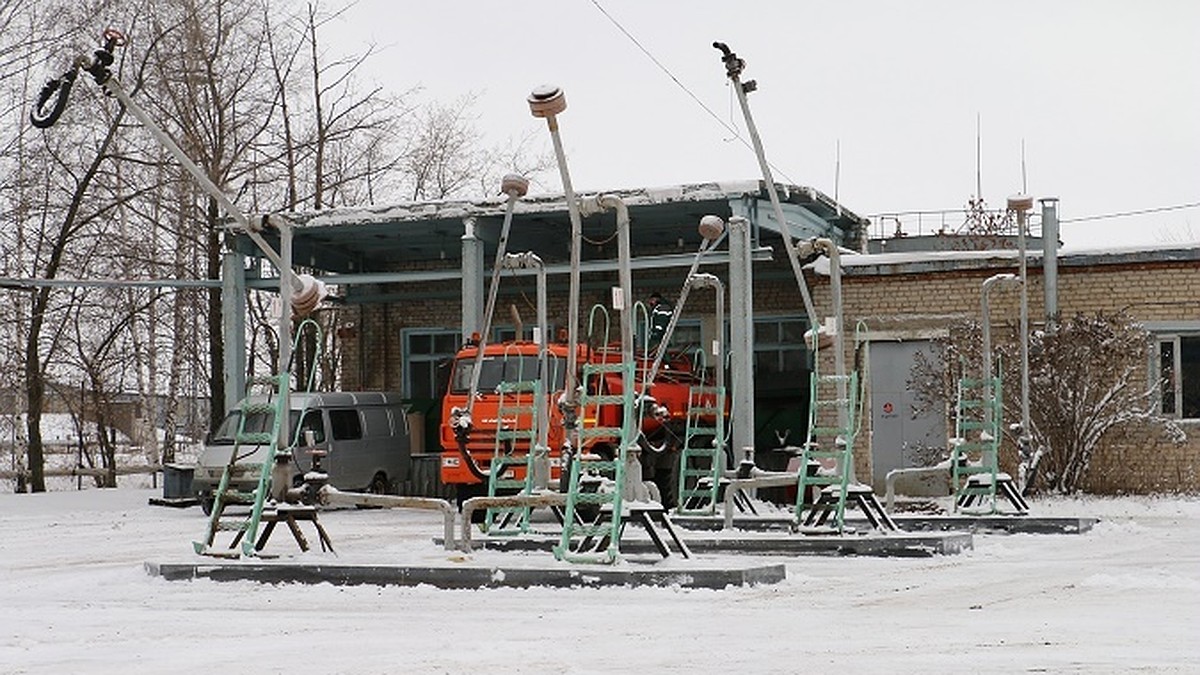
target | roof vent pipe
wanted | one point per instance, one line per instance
(1050, 257)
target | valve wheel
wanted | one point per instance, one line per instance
(117, 37)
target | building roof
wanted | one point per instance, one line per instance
(919, 262)
(386, 238)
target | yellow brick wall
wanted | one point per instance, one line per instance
(1126, 462)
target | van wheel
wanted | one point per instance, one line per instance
(378, 486)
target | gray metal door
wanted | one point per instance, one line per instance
(898, 435)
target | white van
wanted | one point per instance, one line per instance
(364, 434)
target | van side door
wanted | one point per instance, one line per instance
(348, 469)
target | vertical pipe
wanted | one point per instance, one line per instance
(472, 278)
(986, 329)
(233, 326)
(741, 332)
(624, 273)
(1050, 258)
(1021, 204)
(285, 296)
(541, 463)
(493, 292)
(835, 292)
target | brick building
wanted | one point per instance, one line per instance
(410, 279)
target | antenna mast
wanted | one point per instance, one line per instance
(978, 170)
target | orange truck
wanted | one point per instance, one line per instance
(663, 411)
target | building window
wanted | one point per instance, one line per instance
(425, 351)
(1178, 365)
(780, 355)
(509, 333)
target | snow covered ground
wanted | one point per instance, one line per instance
(74, 598)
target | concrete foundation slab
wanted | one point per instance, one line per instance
(894, 544)
(998, 524)
(472, 576)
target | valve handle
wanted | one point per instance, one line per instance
(113, 38)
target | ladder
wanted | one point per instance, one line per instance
(702, 458)
(516, 424)
(592, 522)
(830, 396)
(265, 395)
(974, 464)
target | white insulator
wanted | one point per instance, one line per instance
(711, 227)
(308, 296)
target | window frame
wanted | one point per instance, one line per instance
(1173, 334)
(432, 357)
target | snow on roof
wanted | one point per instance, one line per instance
(546, 203)
(942, 260)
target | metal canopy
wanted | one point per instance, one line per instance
(422, 235)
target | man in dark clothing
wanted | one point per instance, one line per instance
(661, 311)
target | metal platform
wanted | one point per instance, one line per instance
(998, 524)
(473, 576)
(869, 543)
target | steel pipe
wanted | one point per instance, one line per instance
(331, 496)
(471, 505)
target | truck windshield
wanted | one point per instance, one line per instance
(500, 368)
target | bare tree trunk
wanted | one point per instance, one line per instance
(35, 383)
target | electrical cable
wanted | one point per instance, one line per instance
(682, 86)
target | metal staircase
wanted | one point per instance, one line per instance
(702, 457)
(516, 424)
(592, 522)
(263, 412)
(828, 453)
(974, 455)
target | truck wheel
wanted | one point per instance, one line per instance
(464, 491)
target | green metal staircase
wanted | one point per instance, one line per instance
(974, 455)
(836, 397)
(265, 395)
(592, 522)
(516, 423)
(702, 457)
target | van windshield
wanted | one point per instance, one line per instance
(261, 423)
(500, 368)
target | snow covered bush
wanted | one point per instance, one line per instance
(1088, 377)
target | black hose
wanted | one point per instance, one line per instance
(58, 89)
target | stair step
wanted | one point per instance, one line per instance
(602, 399)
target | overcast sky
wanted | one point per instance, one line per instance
(1105, 96)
